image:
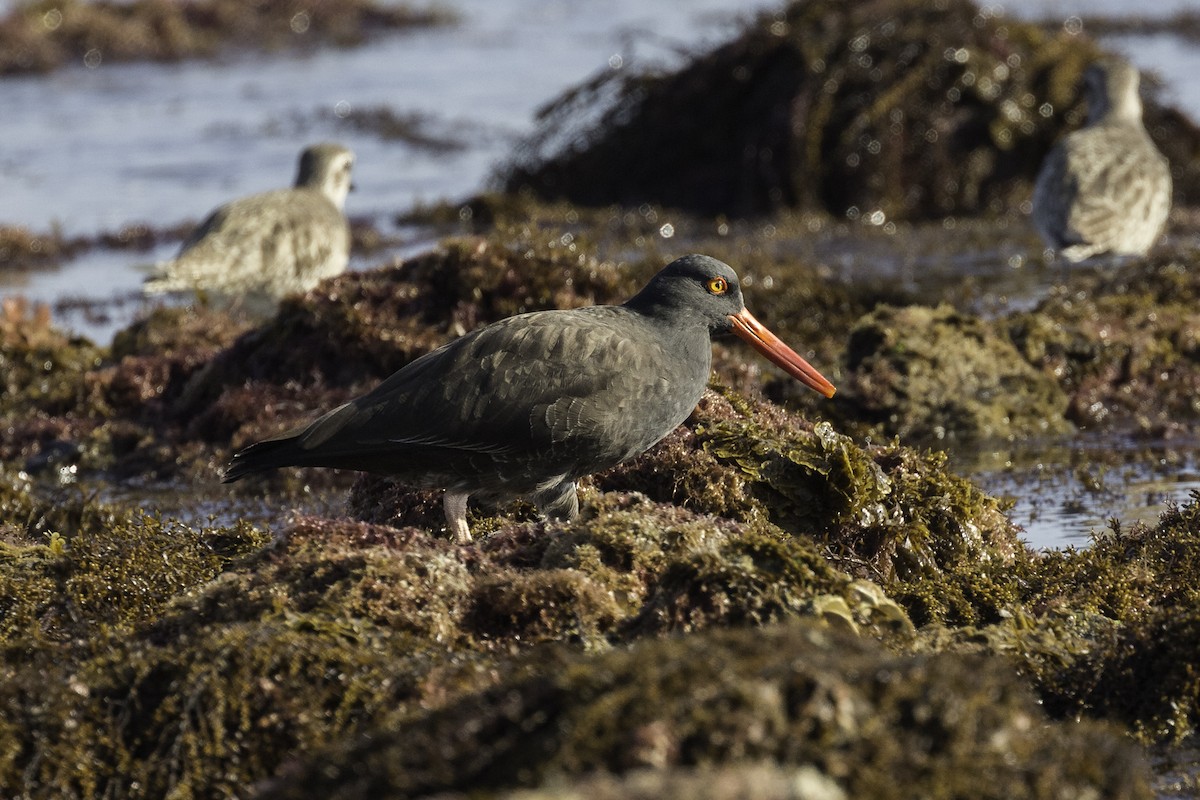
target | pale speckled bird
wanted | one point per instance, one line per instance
(1104, 188)
(270, 244)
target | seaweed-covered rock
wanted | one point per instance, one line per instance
(71, 568)
(22, 249)
(205, 716)
(44, 386)
(712, 782)
(873, 724)
(1139, 668)
(628, 567)
(1107, 631)
(934, 373)
(1123, 344)
(883, 511)
(40, 367)
(883, 110)
(70, 404)
(40, 36)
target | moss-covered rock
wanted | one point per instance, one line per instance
(1123, 343)
(934, 373)
(881, 510)
(71, 568)
(874, 724)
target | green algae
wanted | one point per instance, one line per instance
(868, 721)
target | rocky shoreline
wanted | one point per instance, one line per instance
(787, 597)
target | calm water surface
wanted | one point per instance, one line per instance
(94, 150)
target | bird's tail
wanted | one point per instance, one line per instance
(262, 456)
(299, 448)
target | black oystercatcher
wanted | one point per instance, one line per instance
(528, 405)
(1105, 187)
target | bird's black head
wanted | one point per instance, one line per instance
(693, 289)
(698, 290)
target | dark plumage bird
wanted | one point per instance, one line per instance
(528, 405)
(1104, 188)
(271, 244)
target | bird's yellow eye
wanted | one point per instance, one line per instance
(717, 286)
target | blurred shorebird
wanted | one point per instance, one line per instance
(529, 404)
(1104, 188)
(270, 244)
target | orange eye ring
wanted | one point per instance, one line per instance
(717, 286)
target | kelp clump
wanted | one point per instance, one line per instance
(884, 110)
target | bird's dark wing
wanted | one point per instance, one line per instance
(1054, 196)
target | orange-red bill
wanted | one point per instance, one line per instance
(771, 346)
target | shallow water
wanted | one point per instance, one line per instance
(1067, 492)
(93, 150)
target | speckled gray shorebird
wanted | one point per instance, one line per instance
(1104, 188)
(527, 405)
(270, 244)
